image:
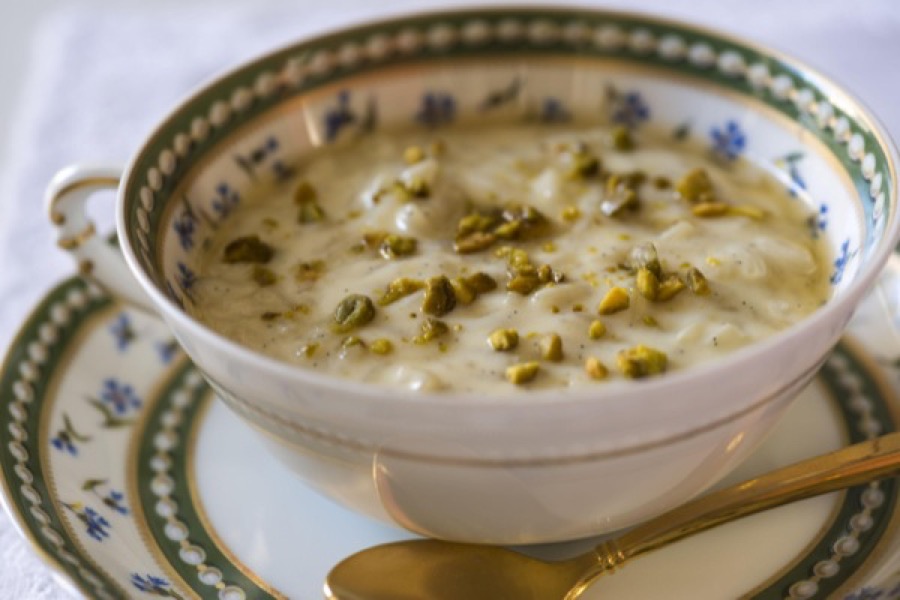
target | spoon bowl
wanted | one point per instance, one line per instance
(439, 570)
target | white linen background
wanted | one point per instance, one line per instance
(100, 78)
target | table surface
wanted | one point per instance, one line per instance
(856, 43)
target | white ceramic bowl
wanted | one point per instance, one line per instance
(522, 466)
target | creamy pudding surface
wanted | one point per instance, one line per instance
(529, 256)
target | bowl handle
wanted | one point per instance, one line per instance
(66, 201)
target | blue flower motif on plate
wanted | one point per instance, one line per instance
(436, 108)
(629, 109)
(167, 351)
(66, 438)
(122, 331)
(226, 199)
(155, 586)
(338, 116)
(790, 162)
(186, 277)
(121, 397)
(185, 225)
(95, 524)
(728, 142)
(840, 263)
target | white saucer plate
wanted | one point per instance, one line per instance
(131, 481)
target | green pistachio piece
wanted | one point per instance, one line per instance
(621, 139)
(306, 198)
(618, 196)
(615, 300)
(381, 346)
(696, 187)
(353, 311)
(697, 282)
(400, 288)
(430, 329)
(481, 282)
(523, 282)
(647, 283)
(502, 340)
(596, 330)
(522, 373)
(439, 296)
(309, 271)
(473, 242)
(669, 288)
(263, 276)
(248, 249)
(595, 369)
(645, 256)
(393, 246)
(641, 361)
(551, 347)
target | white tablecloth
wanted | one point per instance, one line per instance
(101, 78)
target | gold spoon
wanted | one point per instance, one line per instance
(436, 570)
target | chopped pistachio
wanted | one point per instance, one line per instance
(394, 245)
(618, 195)
(522, 373)
(710, 209)
(309, 350)
(481, 282)
(595, 369)
(510, 230)
(577, 307)
(351, 340)
(474, 242)
(263, 276)
(713, 261)
(581, 162)
(551, 347)
(523, 282)
(695, 186)
(697, 282)
(429, 330)
(502, 340)
(417, 187)
(669, 287)
(269, 315)
(413, 154)
(621, 138)
(615, 300)
(647, 283)
(662, 183)
(465, 294)
(570, 213)
(309, 271)
(439, 296)
(650, 321)
(644, 256)
(248, 249)
(546, 274)
(596, 330)
(381, 346)
(353, 311)
(305, 192)
(400, 288)
(641, 361)
(548, 247)
(306, 198)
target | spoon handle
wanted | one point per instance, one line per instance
(857, 464)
